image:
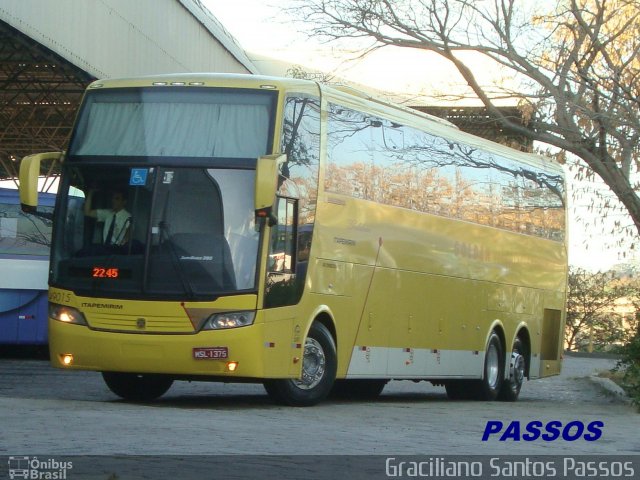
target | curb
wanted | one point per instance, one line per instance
(611, 387)
(609, 356)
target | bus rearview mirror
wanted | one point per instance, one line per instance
(29, 173)
(267, 171)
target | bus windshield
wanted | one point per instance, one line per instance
(157, 200)
(185, 232)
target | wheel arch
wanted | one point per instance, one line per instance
(323, 315)
(497, 327)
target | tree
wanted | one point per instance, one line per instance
(577, 67)
(594, 318)
(629, 364)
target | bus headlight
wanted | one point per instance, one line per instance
(221, 321)
(65, 314)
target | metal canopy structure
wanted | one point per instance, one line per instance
(478, 121)
(50, 51)
(39, 94)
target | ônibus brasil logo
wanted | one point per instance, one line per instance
(33, 468)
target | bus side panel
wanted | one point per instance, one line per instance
(437, 288)
(32, 318)
(336, 287)
(23, 317)
(24, 269)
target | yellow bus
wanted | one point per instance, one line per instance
(251, 229)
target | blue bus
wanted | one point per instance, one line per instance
(24, 269)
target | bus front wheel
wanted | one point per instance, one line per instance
(319, 366)
(493, 375)
(137, 387)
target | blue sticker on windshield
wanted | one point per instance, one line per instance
(138, 177)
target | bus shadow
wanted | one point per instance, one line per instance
(257, 401)
(208, 402)
(24, 352)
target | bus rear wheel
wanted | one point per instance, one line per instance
(319, 366)
(511, 387)
(137, 387)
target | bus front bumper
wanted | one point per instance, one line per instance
(78, 347)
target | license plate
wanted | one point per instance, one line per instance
(210, 353)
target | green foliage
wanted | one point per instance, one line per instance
(600, 310)
(630, 365)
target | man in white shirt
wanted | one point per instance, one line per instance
(116, 220)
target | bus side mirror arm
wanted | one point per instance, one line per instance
(267, 173)
(29, 173)
(265, 215)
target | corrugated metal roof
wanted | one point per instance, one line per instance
(110, 38)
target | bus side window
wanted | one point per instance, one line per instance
(281, 284)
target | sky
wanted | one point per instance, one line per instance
(264, 30)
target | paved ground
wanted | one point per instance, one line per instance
(53, 412)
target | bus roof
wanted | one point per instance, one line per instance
(345, 95)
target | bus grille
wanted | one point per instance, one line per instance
(139, 324)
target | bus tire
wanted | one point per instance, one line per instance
(493, 371)
(365, 389)
(492, 376)
(510, 390)
(319, 366)
(137, 387)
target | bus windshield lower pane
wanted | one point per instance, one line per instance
(156, 231)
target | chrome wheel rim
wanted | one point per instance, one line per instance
(518, 369)
(313, 365)
(493, 366)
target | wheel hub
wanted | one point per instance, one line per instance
(493, 365)
(313, 365)
(516, 369)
